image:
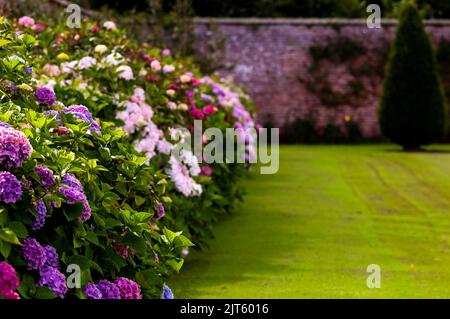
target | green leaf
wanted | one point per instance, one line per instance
(44, 293)
(27, 285)
(92, 237)
(19, 228)
(170, 235)
(182, 241)
(111, 223)
(5, 249)
(73, 211)
(4, 42)
(81, 261)
(175, 264)
(139, 200)
(9, 236)
(148, 279)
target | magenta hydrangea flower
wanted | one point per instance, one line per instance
(108, 289)
(14, 147)
(206, 170)
(8, 281)
(40, 219)
(92, 292)
(209, 110)
(44, 95)
(34, 253)
(128, 288)
(10, 188)
(46, 176)
(81, 112)
(54, 280)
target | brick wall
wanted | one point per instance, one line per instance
(271, 58)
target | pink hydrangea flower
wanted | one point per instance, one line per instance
(26, 21)
(125, 72)
(109, 25)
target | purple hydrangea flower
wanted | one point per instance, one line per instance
(108, 290)
(92, 292)
(159, 211)
(73, 182)
(28, 70)
(53, 279)
(8, 87)
(8, 279)
(52, 257)
(34, 253)
(14, 147)
(81, 112)
(128, 288)
(2, 124)
(167, 293)
(46, 176)
(44, 95)
(10, 188)
(40, 219)
(74, 196)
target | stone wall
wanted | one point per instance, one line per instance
(271, 58)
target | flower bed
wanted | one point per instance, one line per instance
(88, 122)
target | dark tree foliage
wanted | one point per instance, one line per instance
(413, 109)
(279, 8)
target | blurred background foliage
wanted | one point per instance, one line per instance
(274, 8)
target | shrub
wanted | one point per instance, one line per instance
(74, 191)
(158, 96)
(413, 110)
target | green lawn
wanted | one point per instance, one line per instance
(311, 230)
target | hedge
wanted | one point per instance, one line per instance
(88, 122)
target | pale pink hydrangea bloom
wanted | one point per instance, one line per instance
(26, 21)
(155, 65)
(168, 68)
(51, 70)
(109, 25)
(184, 183)
(125, 72)
(86, 62)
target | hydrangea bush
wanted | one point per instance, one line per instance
(88, 122)
(151, 95)
(73, 191)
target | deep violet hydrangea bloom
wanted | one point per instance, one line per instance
(52, 257)
(167, 293)
(44, 95)
(10, 188)
(54, 280)
(128, 288)
(14, 147)
(8, 281)
(92, 292)
(108, 290)
(34, 253)
(73, 182)
(46, 176)
(40, 219)
(81, 112)
(74, 196)
(159, 211)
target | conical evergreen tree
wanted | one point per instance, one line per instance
(413, 110)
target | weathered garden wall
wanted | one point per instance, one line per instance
(337, 80)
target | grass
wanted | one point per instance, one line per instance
(311, 230)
